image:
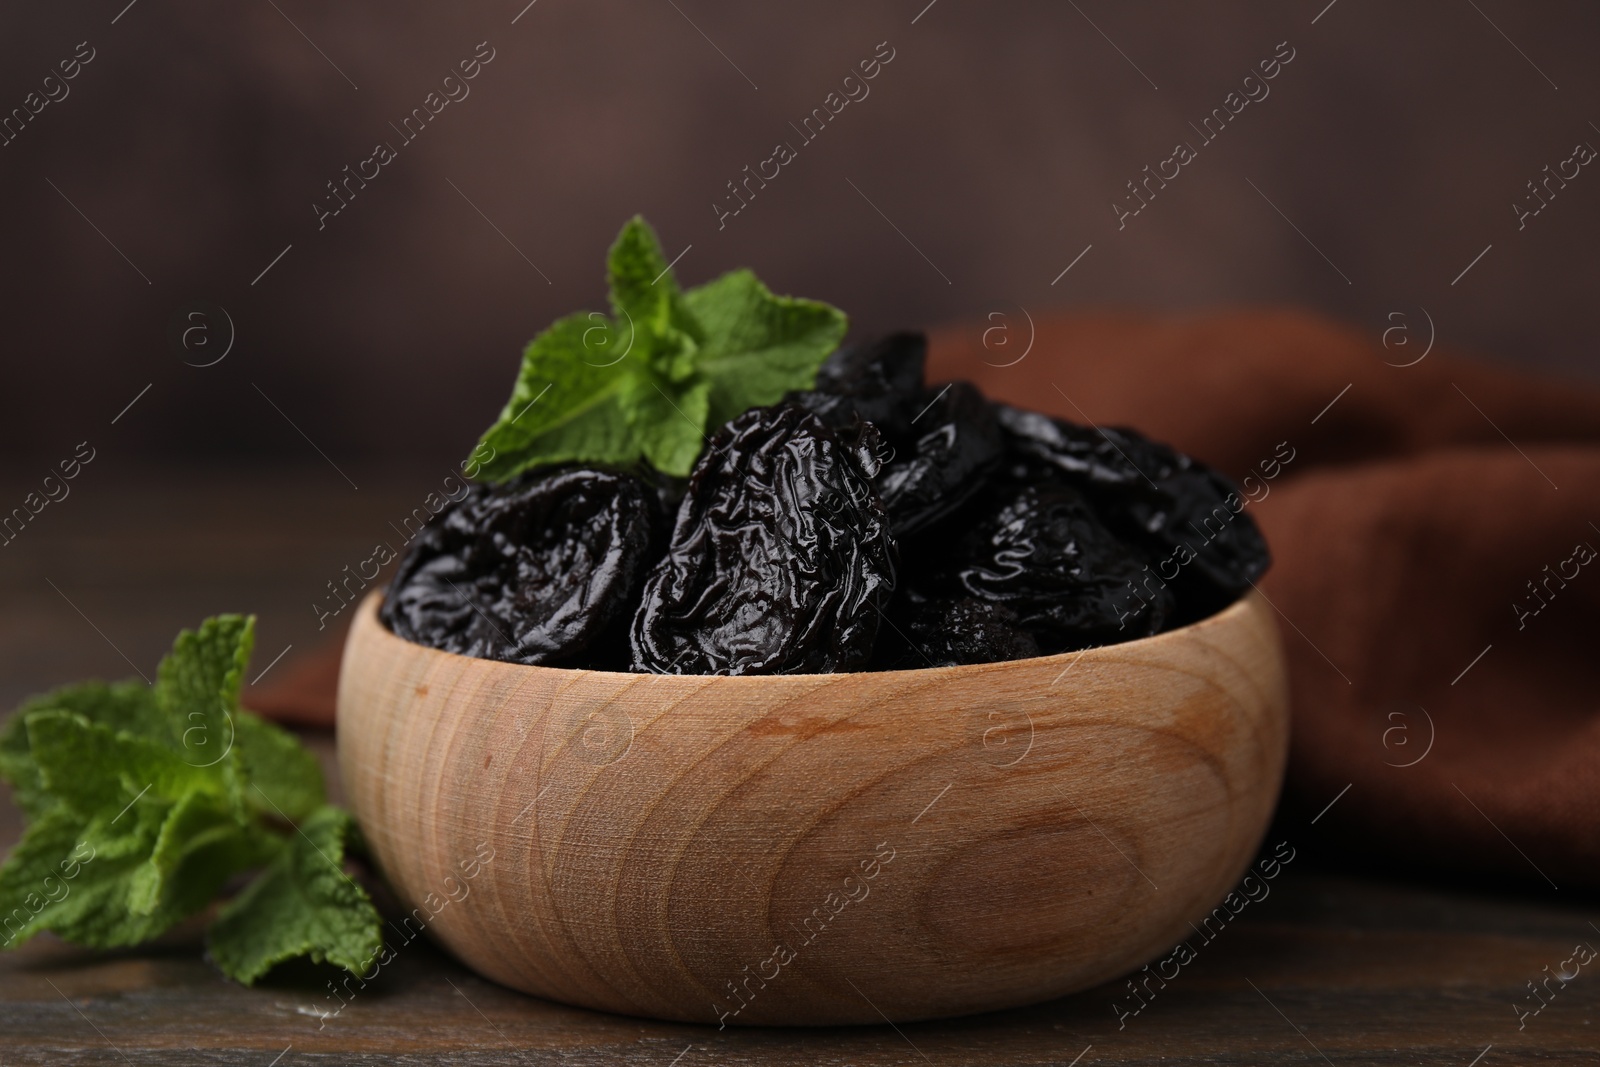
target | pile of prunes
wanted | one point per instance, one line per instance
(873, 523)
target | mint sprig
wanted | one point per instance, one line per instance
(651, 380)
(144, 802)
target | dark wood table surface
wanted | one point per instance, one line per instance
(1333, 967)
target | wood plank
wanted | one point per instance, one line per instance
(1357, 971)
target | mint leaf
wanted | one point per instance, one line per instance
(36, 879)
(667, 369)
(202, 843)
(167, 834)
(642, 285)
(669, 420)
(129, 706)
(197, 686)
(81, 879)
(303, 905)
(566, 404)
(284, 777)
(96, 770)
(143, 802)
(759, 346)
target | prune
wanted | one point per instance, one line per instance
(1187, 517)
(1084, 456)
(882, 376)
(781, 560)
(948, 462)
(947, 632)
(543, 570)
(1196, 530)
(882, 380)
(1039, 550)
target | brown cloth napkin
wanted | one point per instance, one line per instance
(1434, 528)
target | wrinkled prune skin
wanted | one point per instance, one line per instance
(1039, 549)
(543, 570)
(949, 632)
(1199, 513)
(941, 441)
(781, 560)
(883, 380)
(960, 444)
(1187, 518)
(1083, 455)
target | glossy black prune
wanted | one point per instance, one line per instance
(948, 632)
(878, 381)
(1040, 550)
(883, 376)
(1085, 456)
(542, 570)
(1196, 526)
(959, 444)
(781, 560)
(1188, 518)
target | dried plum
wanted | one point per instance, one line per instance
(882, 377)
(543, 570)
(1196, 528)
(1085, 456)
(947, 464)
(948, 632)
(781, 560)
(877, 381)
(1188, 518)
(1022, 535)
(1039, 550)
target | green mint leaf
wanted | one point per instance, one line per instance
(37, 877)
(285, 778)
(202, 843)
(664, 371)
(90, 882)
(669, 420)
(98, 771)
(166, 834)
(642, 286)
(303, 905)
(566, 404)
(144, 801)
(129, 706)
(759, 346)
(197, 686)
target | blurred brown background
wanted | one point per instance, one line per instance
(984, 161)
(200, 136)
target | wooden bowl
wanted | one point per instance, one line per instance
(813, 849)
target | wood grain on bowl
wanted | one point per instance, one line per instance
(822, 848)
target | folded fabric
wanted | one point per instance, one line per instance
(1434, 528)
(1434, 534)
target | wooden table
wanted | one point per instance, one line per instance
(1330, 968)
